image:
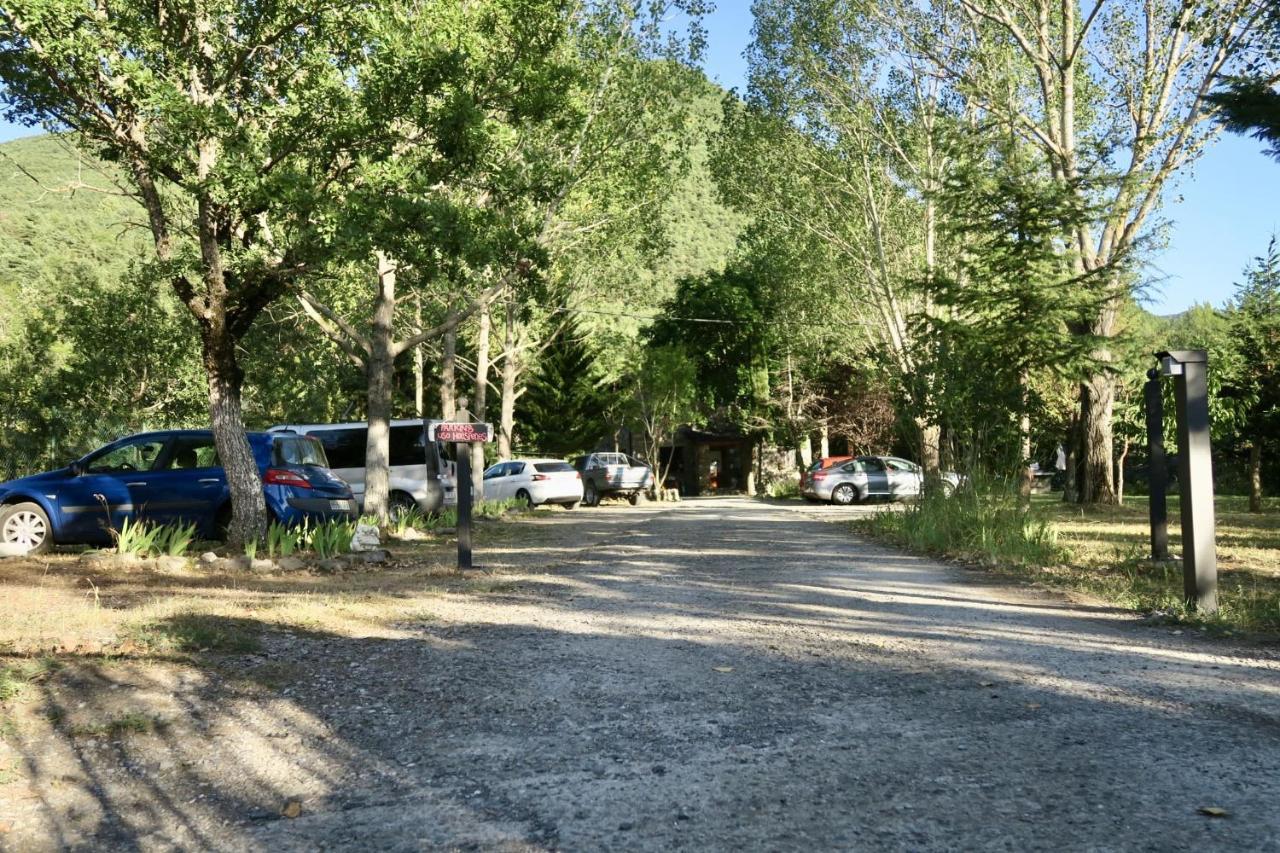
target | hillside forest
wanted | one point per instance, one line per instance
(923, 228)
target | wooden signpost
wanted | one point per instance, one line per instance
(461, 436)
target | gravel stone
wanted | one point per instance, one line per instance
(718, 674)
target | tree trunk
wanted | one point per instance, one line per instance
(379, 376)
(824, 440)
(1124, 454)
(1071, 476)
(804, 452)
(1097, 399)
(448, 376)
(752, 457)
(930, 442)
(510, 374)
(248, 507)
(479, 401)
(1255, 477)
(419, 363)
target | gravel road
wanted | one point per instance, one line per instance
(720, 674)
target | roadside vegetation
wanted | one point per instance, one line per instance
(1100, 551)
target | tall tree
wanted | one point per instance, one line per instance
(1103, 83)
(230, 121)
(1014, 293)
(564, 405)
(1255, 322)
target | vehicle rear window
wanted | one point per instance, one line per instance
(551, 467)
(300, 450)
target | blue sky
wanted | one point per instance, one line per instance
(1221, 214)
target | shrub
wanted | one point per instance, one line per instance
(136, 537)
(985, 523)
(331, 538)
(175, 540)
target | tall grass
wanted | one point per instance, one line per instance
(981, 522)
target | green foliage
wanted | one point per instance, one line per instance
(1254, 318)
(497, 508)
(282, 540)
(174, 540)
(330, 538)
(1252, 105)
(986, 523)
(721, 324)
(1015, 299)
(564, 406)
(136, 537)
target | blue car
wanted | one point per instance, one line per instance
(166, 477)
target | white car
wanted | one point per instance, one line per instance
(534, 481)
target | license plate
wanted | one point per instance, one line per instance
(340, 505)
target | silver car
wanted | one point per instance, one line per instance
(869, 477)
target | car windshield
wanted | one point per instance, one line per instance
(300, 450)
(551, 467)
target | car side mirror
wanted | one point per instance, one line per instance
(76, 468)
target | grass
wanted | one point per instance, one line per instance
(1103, 551)
(17, 676)
(195, 632)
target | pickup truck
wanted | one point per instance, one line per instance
(606, 474)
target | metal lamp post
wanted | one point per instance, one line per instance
(1189, 369)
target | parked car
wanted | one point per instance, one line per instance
(166, 477)
(869, 477)
(420, 476)
(534, 481)
(819, 464)
(605, 474)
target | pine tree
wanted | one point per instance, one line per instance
(563, 408)
(1255, 316)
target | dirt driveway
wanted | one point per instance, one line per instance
(720, 674)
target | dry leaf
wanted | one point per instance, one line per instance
(986, 684)
(292, 809)
(1033, 705)
(723, 668)
(1213, 811)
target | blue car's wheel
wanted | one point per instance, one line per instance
(26, 526)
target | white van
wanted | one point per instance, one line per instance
(420, 475)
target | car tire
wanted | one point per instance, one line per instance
(590, 496)
(525, 498)
(948, 488)
(400, 503)
(844, 495)
(26, 524)
(636, 498)
(571, 505)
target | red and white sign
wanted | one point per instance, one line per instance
(461, 432)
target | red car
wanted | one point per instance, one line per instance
(821, 463)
